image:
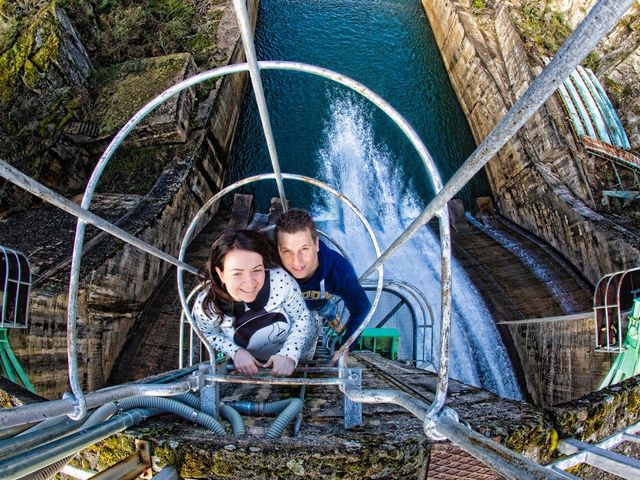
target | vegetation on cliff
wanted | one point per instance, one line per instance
(48, 85)
(136, 29)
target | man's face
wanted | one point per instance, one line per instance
(299, 253)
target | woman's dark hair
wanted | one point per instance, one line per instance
(250, 240)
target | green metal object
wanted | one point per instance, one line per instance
(380, 340)
(627, 363)
(11, 368)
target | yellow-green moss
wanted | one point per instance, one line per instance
(27, 54)
(542, 24)
(178, 26)
(112, 450)
(125, 88)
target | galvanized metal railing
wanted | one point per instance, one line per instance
(15, 288)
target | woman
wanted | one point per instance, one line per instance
(251, 309)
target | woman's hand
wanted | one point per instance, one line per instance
(245, 363)
(282, 365)
(335, 358)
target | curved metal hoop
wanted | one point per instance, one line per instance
(393, 114)
(271, 176)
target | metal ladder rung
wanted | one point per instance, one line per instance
(631, 438)
(601, 458)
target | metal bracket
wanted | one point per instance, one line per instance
(352, 410)
(209, 394)
(144, 457)
(430, 424)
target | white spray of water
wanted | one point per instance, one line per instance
(364, 171)
(530, 259)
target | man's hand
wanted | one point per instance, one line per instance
(245, 363)
(282, 365)
(335, 358)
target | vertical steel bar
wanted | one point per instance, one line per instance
(26, 317)
(181, 342)
(6, 284)
(246, 32)
(445, 326)
(602, 17)
(18, 286)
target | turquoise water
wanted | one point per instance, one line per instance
(386, 45)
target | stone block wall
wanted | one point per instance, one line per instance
(559, 360)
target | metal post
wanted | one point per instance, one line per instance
(602, 18)
(352, 410)
(246, 32)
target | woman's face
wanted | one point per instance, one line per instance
(242, 274)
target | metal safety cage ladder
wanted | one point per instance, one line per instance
(612, 300)
(413, 304)
(15, 288)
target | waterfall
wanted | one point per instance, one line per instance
(351, 161)
(532, 262)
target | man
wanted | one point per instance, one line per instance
(321, 272)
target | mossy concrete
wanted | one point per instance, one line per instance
(600, 413)
(125, 88)
(391, 443)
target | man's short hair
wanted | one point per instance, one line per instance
(296, 220)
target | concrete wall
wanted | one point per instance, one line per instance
(539, 181)
(538, 178)
(559, 360)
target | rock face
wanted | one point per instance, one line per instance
(117, 279)
(44, 71)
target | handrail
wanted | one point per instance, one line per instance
(246, 32)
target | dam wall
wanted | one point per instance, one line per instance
(539, 178)
(116, 278)
(540, 181)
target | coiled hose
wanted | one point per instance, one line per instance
(160, 404)
(288, 409)
(234, 418)
(190, 399)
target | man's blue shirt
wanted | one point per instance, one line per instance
(336, 276)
